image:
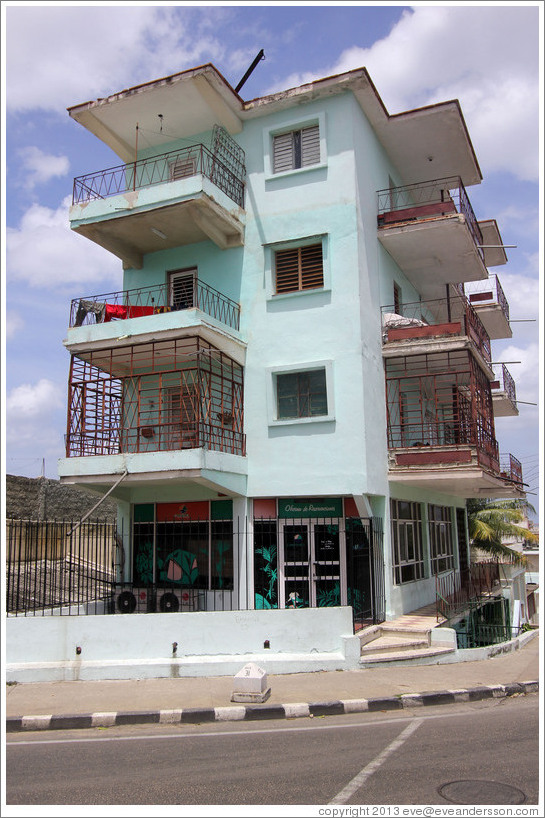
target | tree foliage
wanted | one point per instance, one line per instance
(492, 521)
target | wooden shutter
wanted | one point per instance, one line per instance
(300, 268)
(181, 289)
(182, 168)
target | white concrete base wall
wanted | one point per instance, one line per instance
(140, 646)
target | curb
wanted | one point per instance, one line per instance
(196, 715)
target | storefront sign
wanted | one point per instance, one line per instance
(317, 507)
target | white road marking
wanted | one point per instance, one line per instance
(360, 779)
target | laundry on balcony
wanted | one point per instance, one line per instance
(121, 311)
(85, 307)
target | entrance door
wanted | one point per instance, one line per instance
(311, 564)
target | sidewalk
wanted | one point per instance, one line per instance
(57, 705)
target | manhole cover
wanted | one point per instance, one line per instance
(481, 792)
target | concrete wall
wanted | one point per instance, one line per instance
(211, 644)
(40, 498)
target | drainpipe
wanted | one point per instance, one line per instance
(125, 473)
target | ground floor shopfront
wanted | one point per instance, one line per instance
(285, 553)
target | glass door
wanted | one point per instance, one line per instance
(311, 565)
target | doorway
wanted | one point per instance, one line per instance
(312, 564)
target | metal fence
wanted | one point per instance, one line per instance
(54, 567)
(67, 568)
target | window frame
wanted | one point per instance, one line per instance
(272, 389)
(270, 251)
(441, 538)
(291, 126)
(400, 526)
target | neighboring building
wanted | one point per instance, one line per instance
(293, 394)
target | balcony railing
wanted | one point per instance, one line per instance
(167, 167)
(452, 315)
(157, 437)
(154, 300)
(435, 432)
(511, 469)
(487, 292)
(428, 200)
(458, 591)
(504, 382)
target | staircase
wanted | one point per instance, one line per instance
(403, 640)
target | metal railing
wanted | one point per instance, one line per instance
(487, 292)
(54, 567)
(428, 200)
(435, 432)
(156, 437)
(456, 591)
(167, 167)
(455, 308)
(504, 382)
(511, 469)
(153, 300)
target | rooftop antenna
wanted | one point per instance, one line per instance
(260, 56)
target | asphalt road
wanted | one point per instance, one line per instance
(475, 753)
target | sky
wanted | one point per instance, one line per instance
(58, 55)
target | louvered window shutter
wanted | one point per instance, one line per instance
(310, 146)
(300, 268)
(296, 149)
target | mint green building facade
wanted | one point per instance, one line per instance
(293, 396)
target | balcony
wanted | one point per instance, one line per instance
(488, 298)
(430, 230)
(440, 426)
(157, 312)
(436, 324)
(156, 399)
(176, 198)
(504, 396)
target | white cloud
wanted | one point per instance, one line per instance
(43, 251)
(74, 53)
(484, 56)
(40, 167)
(14, 323)
(29, 401)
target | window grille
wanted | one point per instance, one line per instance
(407, 551)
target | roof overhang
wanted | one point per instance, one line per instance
(189, 103)
(431, 142)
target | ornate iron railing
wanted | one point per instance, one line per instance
(511, 469)
(167, 167)
(428, 200)
(153, 300)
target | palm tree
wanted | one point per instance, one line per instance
(490, 521)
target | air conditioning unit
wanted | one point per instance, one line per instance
(177, 600)
(134, 600)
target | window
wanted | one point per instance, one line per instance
(299, 268)
(441, 539)
(181, 287)
(301, 394)
(183, 167)
(397, 299)
(407, 553)
(296, 149)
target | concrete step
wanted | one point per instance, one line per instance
(415, 656)
(395, 642)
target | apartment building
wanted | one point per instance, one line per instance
(293, 395)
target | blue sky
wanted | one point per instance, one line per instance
(56, 56)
